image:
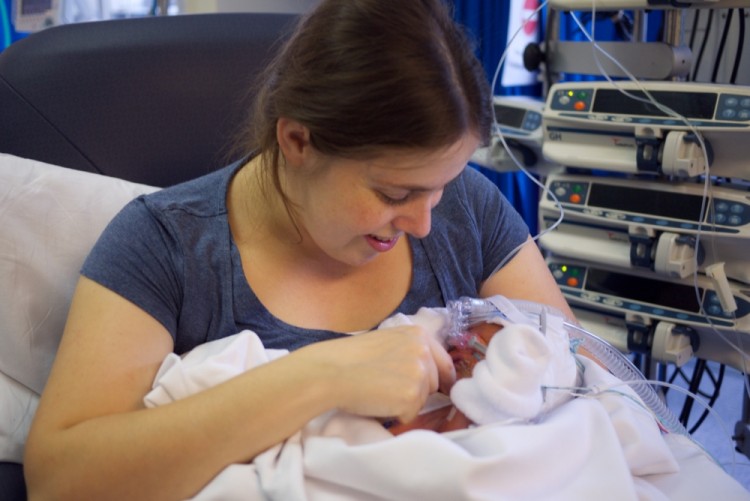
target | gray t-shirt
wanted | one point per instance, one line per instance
(172, 254)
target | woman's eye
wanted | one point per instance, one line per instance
(393, 199)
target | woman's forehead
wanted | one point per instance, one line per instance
(403, 165)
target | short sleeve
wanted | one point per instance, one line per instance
(502, 233)
(474, 229)
(500, 227)
(137, 258)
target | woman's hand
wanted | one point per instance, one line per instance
(383, 373)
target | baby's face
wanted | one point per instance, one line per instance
(472, 348)
(485, 331)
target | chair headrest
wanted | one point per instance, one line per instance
(153, 100)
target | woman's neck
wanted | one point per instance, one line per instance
(255, 208)
(259, 219)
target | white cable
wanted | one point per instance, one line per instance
(497, 130)
(707, 193)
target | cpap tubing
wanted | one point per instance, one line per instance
(464, 312)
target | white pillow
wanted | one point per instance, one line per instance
(50, 217)
(17, 407)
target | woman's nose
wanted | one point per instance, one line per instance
(416, 219)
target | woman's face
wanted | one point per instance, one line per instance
(354, 210)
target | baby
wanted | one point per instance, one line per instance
(507, 369)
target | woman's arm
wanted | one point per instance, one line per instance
(526, 276)
(92, 437)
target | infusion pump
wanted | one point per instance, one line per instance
(614, 126)
(669, 318)
(635, 224)
(519, 120)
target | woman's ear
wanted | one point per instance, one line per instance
(294, 141)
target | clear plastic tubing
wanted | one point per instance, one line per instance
(622, 368)
(465, 312)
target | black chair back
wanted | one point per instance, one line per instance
(153, 100)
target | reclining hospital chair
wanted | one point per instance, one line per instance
(154, 101)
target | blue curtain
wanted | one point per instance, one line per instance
(8, 34)
(487, 21)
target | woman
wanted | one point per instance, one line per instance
(352, 203)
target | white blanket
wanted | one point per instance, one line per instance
(603, 447)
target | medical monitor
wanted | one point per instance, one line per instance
(34, 15)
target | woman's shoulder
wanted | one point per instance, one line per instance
(474, 203)
(204, 196)
(471, 192)
(472, 177)
(184, 211)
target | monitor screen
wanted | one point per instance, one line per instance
(697, 105)
(32, 7)
(644, 290)
(669, 204)
(509, 115)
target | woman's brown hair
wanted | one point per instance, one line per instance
(363, 75)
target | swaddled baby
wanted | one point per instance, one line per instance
(508, 370)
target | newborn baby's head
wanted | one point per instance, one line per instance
(471, 347)
(466, 352)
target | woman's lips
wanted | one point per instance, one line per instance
(380, 244)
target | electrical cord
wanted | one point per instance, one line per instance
(694, 29)
(701, 369)
(703, 44)
(718, 382)
(551, 18)
(740, 45)
(698, 371)
(722, 44)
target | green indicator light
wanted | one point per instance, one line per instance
(583, 94)
(577, 188)
(574, 271)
